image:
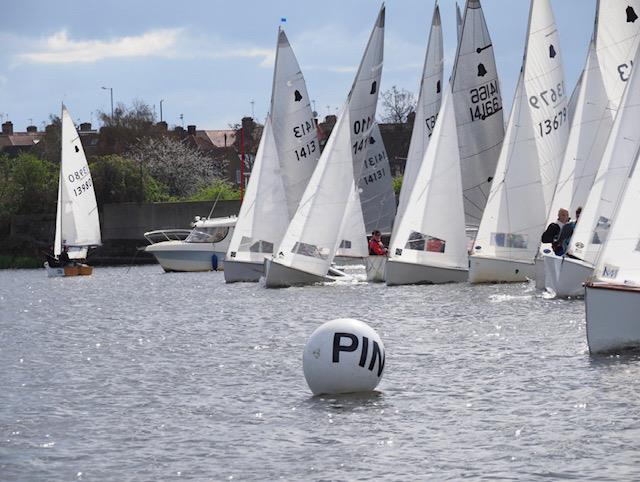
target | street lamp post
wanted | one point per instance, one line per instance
(110, 89)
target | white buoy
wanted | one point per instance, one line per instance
(343, 356)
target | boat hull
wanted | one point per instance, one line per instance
(565, 277)
(400, 273)
(540, 276)
(375, 268)
(242, 271)
(498, 270)
(186, 257)
(279, 276)
(613, 318)
(69, 270)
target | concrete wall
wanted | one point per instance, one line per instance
(126, 220)
(132, 220)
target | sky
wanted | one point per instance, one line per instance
(209, 59)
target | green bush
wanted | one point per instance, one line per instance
(28, 185)
(19, 262)
(397, 184)
(219, 187)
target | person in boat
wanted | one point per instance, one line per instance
(552, 233)
(376, 248)
(565, 234)
(59, 262)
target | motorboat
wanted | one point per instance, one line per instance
(200, 249)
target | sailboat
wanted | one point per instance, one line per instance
(527, 171)
(77, 222)
(318, 226)
(612, 297)
(286, 157)
(430, 242)
(614, 43)
(378, 200)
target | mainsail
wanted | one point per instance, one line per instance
(427, 108)
(478, 104)
(77, 222)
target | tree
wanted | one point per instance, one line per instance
(117, 179)
(219, 189)
(397, 105)
(181, 168)
(28, 185)
(127, 126)
(49, 146)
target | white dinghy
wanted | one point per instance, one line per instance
(286, 157)
(616, 35)
(525, 179)
(322, 222)
(613, 294)
(77, 221)
(429, 244)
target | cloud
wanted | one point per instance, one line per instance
(172, 43)
(60, 49)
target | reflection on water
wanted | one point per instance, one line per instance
(141, 375)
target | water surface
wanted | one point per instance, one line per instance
(141, 375)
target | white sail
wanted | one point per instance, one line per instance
(353, 237)
(77, 222)
(377, 197)
(592, 121)
(263, 216)
(619, 261)
(432, 231)
(532, 152)
(294, 127)
(621, 150)
(616, 44)
(478, 104)
(281, 168)
(427, 108)
(314, 234)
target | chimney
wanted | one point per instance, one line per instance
(163, 126)
(85, 126)
(32, 129)
(7, 128)
(179, 130)
(191, 130)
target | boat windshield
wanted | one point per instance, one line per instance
(207, 235)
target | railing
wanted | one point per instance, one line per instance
(166, 235)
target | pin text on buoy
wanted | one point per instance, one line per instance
(343, 356)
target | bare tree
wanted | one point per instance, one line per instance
(397, 105)
(180, 167)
